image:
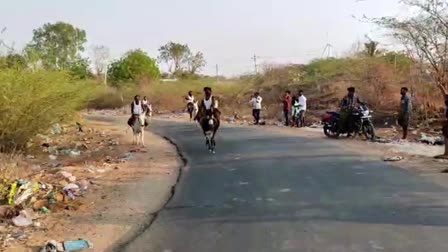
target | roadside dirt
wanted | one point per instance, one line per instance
(127, 186)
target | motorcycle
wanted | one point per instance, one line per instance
(297, 115)
(359, 123)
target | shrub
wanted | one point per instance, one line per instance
(30, 102)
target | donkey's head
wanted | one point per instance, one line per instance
(139, 124)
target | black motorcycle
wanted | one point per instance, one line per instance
(359, 123)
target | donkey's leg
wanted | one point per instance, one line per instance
(213, 142)
(142, 136)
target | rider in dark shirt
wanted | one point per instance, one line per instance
(348, 104)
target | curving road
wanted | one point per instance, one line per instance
(265, 191)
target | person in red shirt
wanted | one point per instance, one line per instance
(287, 103)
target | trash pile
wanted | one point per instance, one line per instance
(431, 140)
(55, 186)
(54, 246)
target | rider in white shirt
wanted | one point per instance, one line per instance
(209, 105)
(137, 106)
(190, 98)
(136, 110)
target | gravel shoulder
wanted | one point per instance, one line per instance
(123, 201)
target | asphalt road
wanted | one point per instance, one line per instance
(266, 191)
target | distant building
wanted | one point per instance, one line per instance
(168, 80)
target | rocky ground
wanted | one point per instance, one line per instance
(91, 185)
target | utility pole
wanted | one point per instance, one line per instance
(105, 75)
(255, 63)
(217, 73)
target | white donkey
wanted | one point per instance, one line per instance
(138, 130)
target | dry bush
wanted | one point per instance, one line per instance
(30, 102)
(113, 98)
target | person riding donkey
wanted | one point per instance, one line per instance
(192, 106)
(137, 121)
(208, 117)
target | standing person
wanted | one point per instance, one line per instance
(302, 107)
(348, 104)
(404, 115)
(256, 107)
(287, 105)
(136, 110)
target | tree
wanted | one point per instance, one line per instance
(371, 48)
(32, 57)
(132, 66)
(15, 60)
(195, 62)
(58, 44)
(100, 57)
(425, 34)
(174, 54)
(80, 69)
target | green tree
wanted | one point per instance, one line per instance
(196, 62)
(59, 44)
(13, 61)
(80, 69)
(32, 57)
(133, 65)
(174, 54)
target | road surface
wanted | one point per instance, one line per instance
(266, 191)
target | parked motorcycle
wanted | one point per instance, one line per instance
(359, 123)
(297, 115)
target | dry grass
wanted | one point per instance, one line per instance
(30, 102)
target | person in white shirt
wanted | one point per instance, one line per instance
(136, 110)
(190, 97)
(137, 106)
(147, 107)
(255, 101)
(302, 106)
(191, 104)
(209, 105)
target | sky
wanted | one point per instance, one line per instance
(228, 32)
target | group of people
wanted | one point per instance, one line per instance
(352, 100)
(294, 108)
(207, 106)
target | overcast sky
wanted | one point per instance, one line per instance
(228, 32)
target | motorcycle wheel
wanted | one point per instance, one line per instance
(369, 131)
(329, 133)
